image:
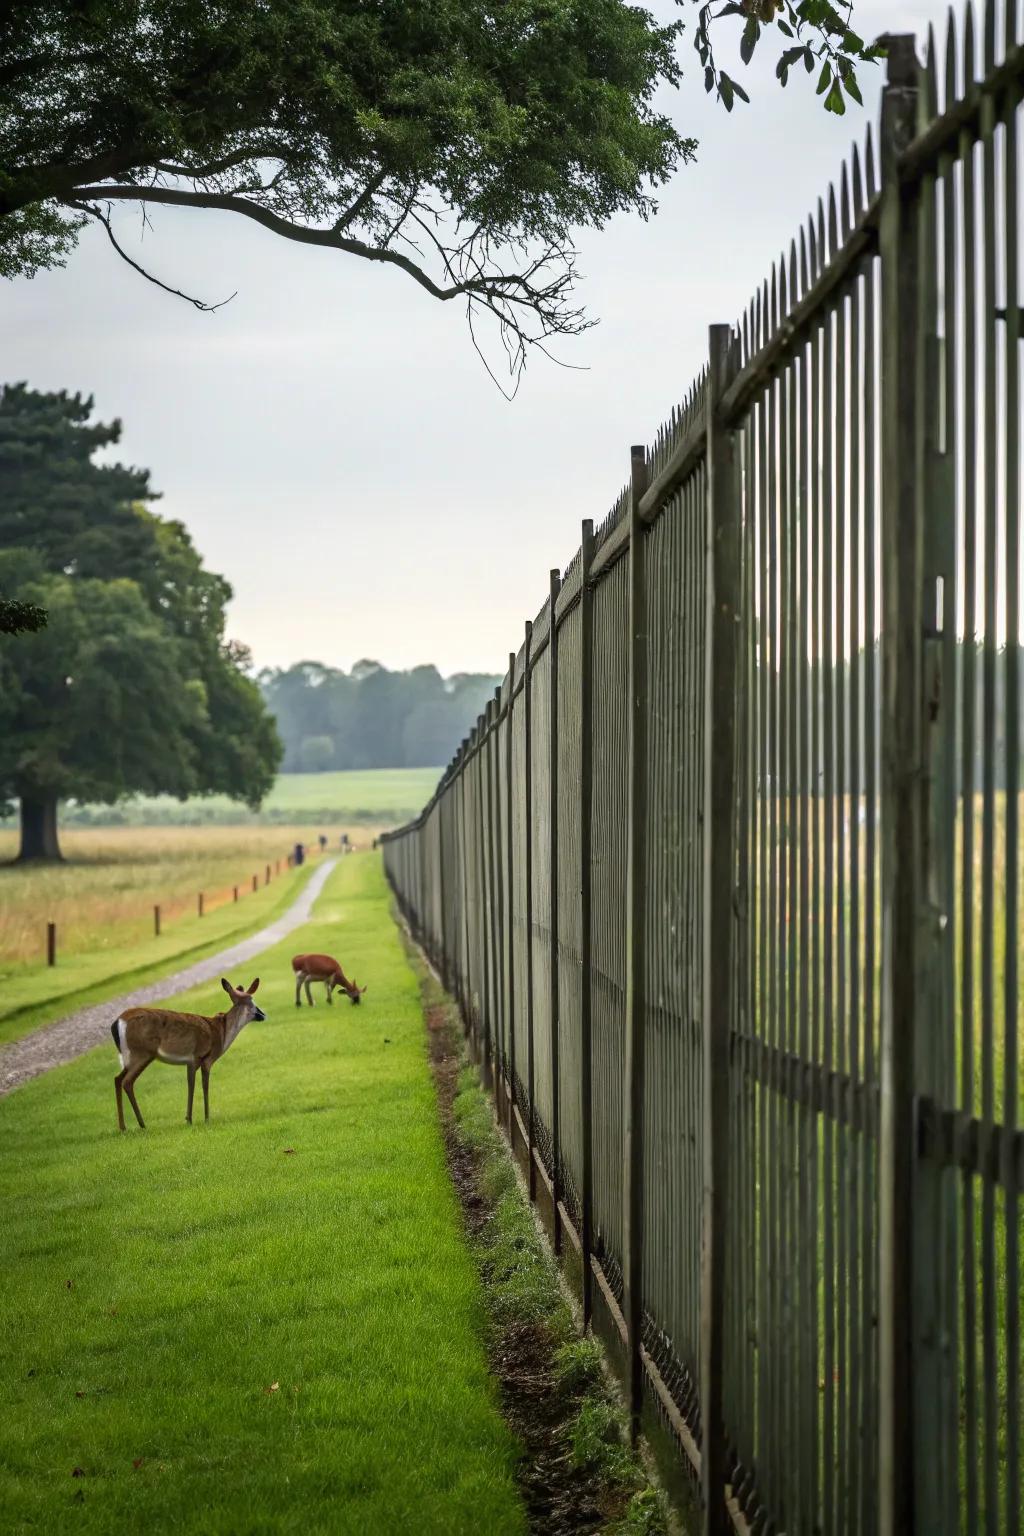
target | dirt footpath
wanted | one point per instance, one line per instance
(65, 1039)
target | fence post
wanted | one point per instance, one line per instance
(722, 615)
(200, 903)
(442, 955)
(467, 991)
(51, 943)
(494, 840)
(266, 880)
(255, 882)
(528, 792)
(510, 953)
(903, 804)
(556, 1131)
(633, 1088)
(586, 996)
(235, 890)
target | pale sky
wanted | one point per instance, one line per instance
(330, 437)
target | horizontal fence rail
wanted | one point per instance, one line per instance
(726, 879)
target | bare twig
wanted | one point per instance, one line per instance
(104, 218)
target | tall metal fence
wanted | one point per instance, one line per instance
(727, 877)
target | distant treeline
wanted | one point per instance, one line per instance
(371, 717)
(846, 704)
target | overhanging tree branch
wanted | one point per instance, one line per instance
(104, 219)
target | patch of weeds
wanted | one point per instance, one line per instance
(577, 1473)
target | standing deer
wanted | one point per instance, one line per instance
(310, 968)
(190, 1040)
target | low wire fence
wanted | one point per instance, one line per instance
(727, 877)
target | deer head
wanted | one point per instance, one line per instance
(354, 991)
(243, 1001)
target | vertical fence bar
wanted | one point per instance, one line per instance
(528, 873)
(510, 947)
(556, 1132)
(156, 922)
(633, 1094)
(199, 900)
(51, 943)
(901, 772)
(586, 985)
(723, 607)
(494, 846)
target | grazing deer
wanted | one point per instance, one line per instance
(190, 1040)
(325, 968)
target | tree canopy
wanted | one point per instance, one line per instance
(461, 141)
(131, 686)
(371, 717)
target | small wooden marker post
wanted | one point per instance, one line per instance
(267, 879)
(200, 903)
(156, 921)
(51, 943)
(255, 882)
(235, 888)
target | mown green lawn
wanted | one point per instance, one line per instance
(270, 1323)
(363, 796)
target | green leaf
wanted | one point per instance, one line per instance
(825, 78)
(751, 33)
(725, 90)
(785, 28)
(852, 88)
(834, 100)
(709, 79)
(808, 59)
(852, 43)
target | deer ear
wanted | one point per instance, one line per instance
(361, 991)
(253, 985)
(228, 988)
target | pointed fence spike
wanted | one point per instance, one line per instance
(783, 309)
(822, 247)
(968, 48)
(804, 270)
(858, 188)
(1011, 27)
(812, 246)
(844, 204)
(990, 36)
(951, 84)
(833, 231)
(928, 98)
(773, 311)
(794, 286)
(869, 164)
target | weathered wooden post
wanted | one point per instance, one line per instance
(51, 943)
(199, 903)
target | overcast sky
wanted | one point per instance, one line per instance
(330, 437)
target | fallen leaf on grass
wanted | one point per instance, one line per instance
(274, 1385)
(289, 1151)
(79, 1394)
(69, 1285)
(137, 1463)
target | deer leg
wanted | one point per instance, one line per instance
(298, 990)
(130, 1079)
(191, 1091)
(330, 993)
(309, 991)
(118, 1080)
(204, 1068)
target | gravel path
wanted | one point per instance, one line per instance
(62, 1041)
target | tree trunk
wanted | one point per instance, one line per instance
(39, 828)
